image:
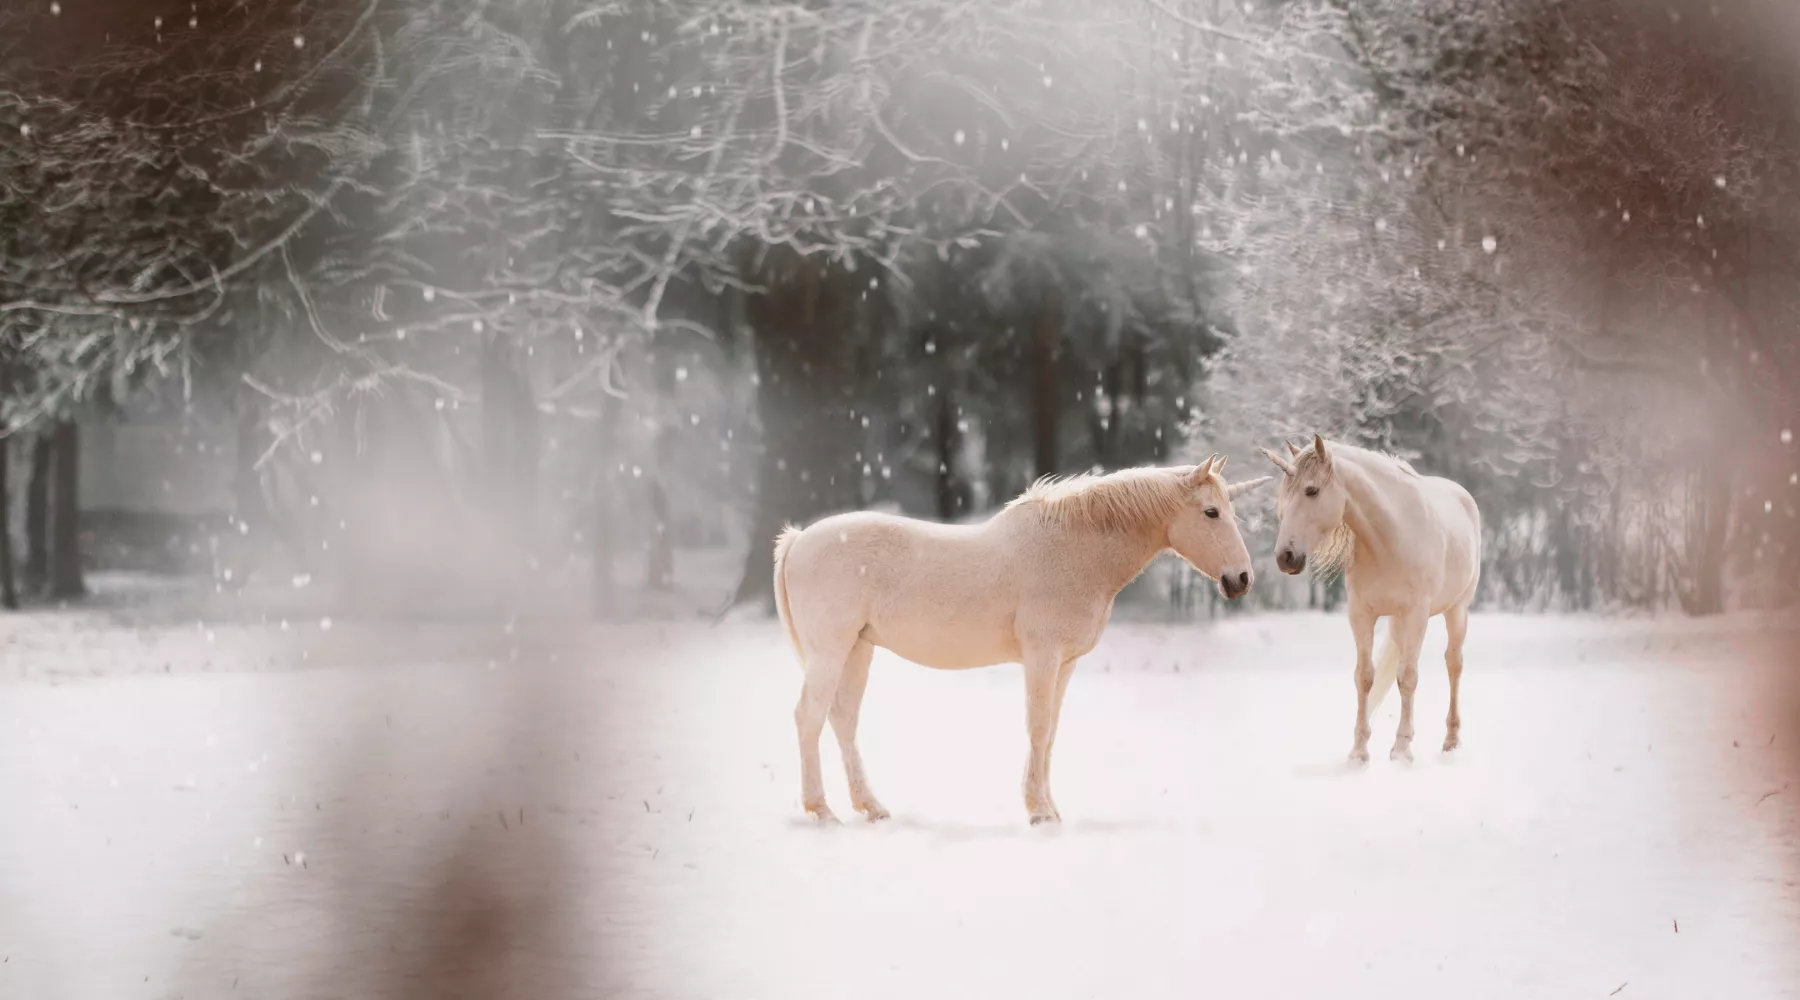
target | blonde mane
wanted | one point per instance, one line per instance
(1119, 501)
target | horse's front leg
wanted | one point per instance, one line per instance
(1066, 671)
(1362, 629)
(1042, 670)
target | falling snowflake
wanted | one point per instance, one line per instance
(958, 137)
(1143, 231)
(1719, 182)
(1787, 436)
(299, 41)
(25, 130)
(55, 9)
(1489, 244)
(325, 624)
(318, 457)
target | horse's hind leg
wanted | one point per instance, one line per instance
(1456, 622)
(824, 670)
(845, 709)
(1409, 634)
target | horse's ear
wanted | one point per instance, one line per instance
(1286, 467)
(1219, 470)
(1293, 452)
(1203, 471)
(1236, 490)
(1319, 448)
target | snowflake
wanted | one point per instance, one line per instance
(1489, 244)
(299, 41)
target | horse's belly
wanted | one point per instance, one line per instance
(946, 644)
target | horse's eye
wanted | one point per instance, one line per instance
(1212, 512)
(1312, 491)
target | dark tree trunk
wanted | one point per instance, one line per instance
(1105, 423)
(1046, 387)
(803, 327)
(1705, 591)
(659, 567)
(606, 488)
(948, 438)
(37, 516)
(9, 590)
(65, 517)
(510, 447)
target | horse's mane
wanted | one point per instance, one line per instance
(1119, 501)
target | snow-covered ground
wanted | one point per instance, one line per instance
(260, 813)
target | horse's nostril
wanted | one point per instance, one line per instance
(1244, 579)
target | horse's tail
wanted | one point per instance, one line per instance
(783, 542)
(1387, 667)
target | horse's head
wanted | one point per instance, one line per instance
(1205, 532)
(1310, 505)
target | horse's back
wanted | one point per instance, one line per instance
(936, 594)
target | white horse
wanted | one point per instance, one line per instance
(1409, 547)
(1034, 585)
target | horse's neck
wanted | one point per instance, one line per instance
(1114, 559)
(1369, 511)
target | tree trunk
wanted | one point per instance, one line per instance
(1705, 591)
(948, 438)
(9, 591)
(803, 327)
(1046, 394)
(606, 485)
(37, 516)
(510, 450)
(65, 516)
(659, 568)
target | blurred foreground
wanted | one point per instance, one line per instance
(540, 811)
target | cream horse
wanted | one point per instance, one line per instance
(1409, 547)
(1034, 585)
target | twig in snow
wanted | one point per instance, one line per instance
(502, 816)
(1622, 985)
(1767, 794)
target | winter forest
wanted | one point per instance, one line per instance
(507, 335)
(606, 289)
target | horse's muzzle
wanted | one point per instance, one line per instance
(1289, 562)
(1234, 585)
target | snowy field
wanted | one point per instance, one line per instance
(338, 813)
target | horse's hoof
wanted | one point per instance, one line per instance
(1359, 756)
(823, 815)
(1451, 743)
(1401, 755)
(873, 812)
(1042, 818)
